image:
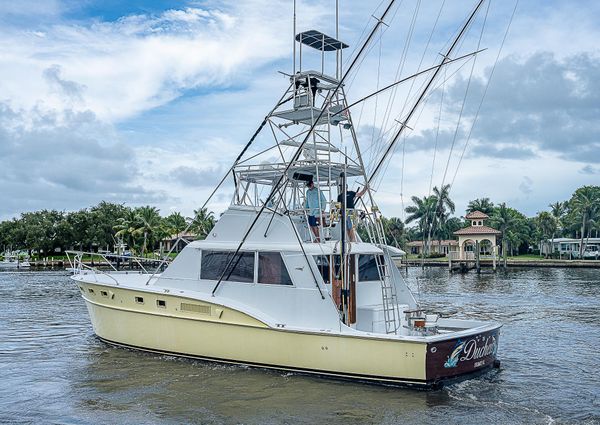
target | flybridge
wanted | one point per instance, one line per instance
(312, 118)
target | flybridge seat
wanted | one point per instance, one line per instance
(269, 174)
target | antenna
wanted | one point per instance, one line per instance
(337, 36)
(294, 39)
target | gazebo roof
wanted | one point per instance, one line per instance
(476, 215)
(477, 230)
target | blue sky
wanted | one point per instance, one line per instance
(150, 101)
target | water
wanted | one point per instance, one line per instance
(53, 369)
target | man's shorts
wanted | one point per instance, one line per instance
(312, 221)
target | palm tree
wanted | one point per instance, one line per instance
(482, 204)
(586, 205)
(202, 222)
(558, 211)
(150, 225)
(175, 223)
(449, 226)
(422, 211)
(394, 230)
(174, 226)
(126, 226)
(547, 225)
(505, 221)
(442, 200)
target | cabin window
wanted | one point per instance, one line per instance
(161, 303)
(139, 300)
(214, 263)
(367, 267)
(91, 291)
(272, 270)
(104, 293)
(323, 266)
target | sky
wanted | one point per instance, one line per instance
(149, 102)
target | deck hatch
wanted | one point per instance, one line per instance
(196, 308)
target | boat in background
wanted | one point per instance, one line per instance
(286, 284)
(13, 260)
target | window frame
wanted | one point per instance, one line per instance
(225, 251)
(327, 258)
(373, 255)
(286, 268)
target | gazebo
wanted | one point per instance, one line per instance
(477, 233)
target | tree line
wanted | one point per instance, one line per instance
(577, 217)
(432, 217)
(100, 227)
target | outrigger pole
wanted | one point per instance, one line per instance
(230, 265)
(230, 170)
(410, 77)
(445, 60)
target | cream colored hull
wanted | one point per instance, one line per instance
(229, 336)
(192, 328)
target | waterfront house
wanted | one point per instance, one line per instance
(435, 246)
(569, 247)
(181, 239)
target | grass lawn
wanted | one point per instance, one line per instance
(526, 257)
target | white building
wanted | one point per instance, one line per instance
(569, 247)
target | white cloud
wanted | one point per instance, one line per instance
(93, 88)
(62, 164)
(139, 62)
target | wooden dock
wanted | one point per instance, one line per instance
(487, 264)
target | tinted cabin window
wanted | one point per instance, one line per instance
(214, 263)
(323, 266)
(367, 267)
(271, 269)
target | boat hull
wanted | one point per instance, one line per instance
(229, 336)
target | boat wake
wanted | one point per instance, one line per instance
(484, 392)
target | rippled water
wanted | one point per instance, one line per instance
(53, 369)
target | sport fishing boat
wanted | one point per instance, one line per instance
(297, 275)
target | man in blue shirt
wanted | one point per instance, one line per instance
(315, 204)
